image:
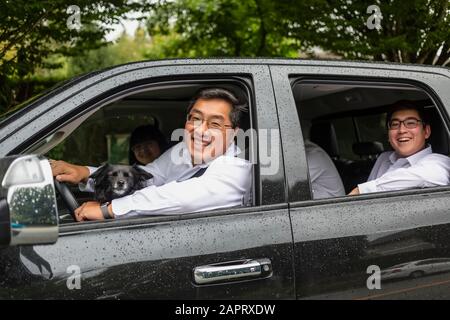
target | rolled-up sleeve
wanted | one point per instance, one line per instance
(224, 184)
(89, 185)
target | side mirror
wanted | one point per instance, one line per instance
(28, 211)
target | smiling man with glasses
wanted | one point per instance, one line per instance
(209, 127)
(412, 164)
(200, 173)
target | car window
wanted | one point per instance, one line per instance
(373, 128)
(103, 136)
(355, 129)
(346, 123)
(347, 136)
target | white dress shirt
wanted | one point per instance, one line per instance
(225, 183)
(422, 169)
(325, 180)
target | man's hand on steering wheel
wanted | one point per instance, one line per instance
(67, 197)
(67, 172)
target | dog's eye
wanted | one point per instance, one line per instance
(126, 175)
(114, 174)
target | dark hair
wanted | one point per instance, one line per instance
(407, 105)
(146, 133)
(238, 108)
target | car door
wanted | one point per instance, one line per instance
(155, 257)
(342, 245)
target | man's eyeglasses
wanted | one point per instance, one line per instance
(410, 123)
(196, 121)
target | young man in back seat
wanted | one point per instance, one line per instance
(412, 164)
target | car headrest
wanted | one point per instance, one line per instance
(368, 148)
(324, 135)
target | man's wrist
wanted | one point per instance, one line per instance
(106, 210)
(85, 173)
(110, 212)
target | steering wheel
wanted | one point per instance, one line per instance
(67, 196)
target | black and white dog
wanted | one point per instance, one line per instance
(115, 181)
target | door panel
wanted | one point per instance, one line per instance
(157, 259)
(335, 244)
(343, 245)
(154, 257)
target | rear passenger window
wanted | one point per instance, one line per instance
(347, 136)
(373, 128)
(345, 129)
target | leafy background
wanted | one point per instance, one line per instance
(38, 50)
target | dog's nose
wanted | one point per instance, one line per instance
(120, 183)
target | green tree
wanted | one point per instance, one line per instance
(202, 28)
(125, 49)
(31, 31)
(416, 31)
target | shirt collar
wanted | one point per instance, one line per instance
(412, 159)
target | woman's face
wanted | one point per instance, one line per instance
(146, 152)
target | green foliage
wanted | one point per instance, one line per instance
(31, 31)
(37, 49)
(57, 152)
(118, 149)
(202, 28)
(126, 49)
(412, 31)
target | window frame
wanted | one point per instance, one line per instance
(243, 82)
(247, 76)
(283, 75)
(358, 81)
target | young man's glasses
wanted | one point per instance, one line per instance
(196, 121)
(410, 123)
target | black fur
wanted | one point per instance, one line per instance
(115, 181)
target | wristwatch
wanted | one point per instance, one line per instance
(104, 208)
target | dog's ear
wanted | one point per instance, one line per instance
(100, 171)
(141, 174)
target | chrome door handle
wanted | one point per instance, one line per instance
(233, 270)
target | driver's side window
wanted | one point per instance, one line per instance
(103, 136)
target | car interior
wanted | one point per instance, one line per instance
(102, 134)
(348, 120)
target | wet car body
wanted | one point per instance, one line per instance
(317, 249)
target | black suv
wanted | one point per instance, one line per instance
(284, 245)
